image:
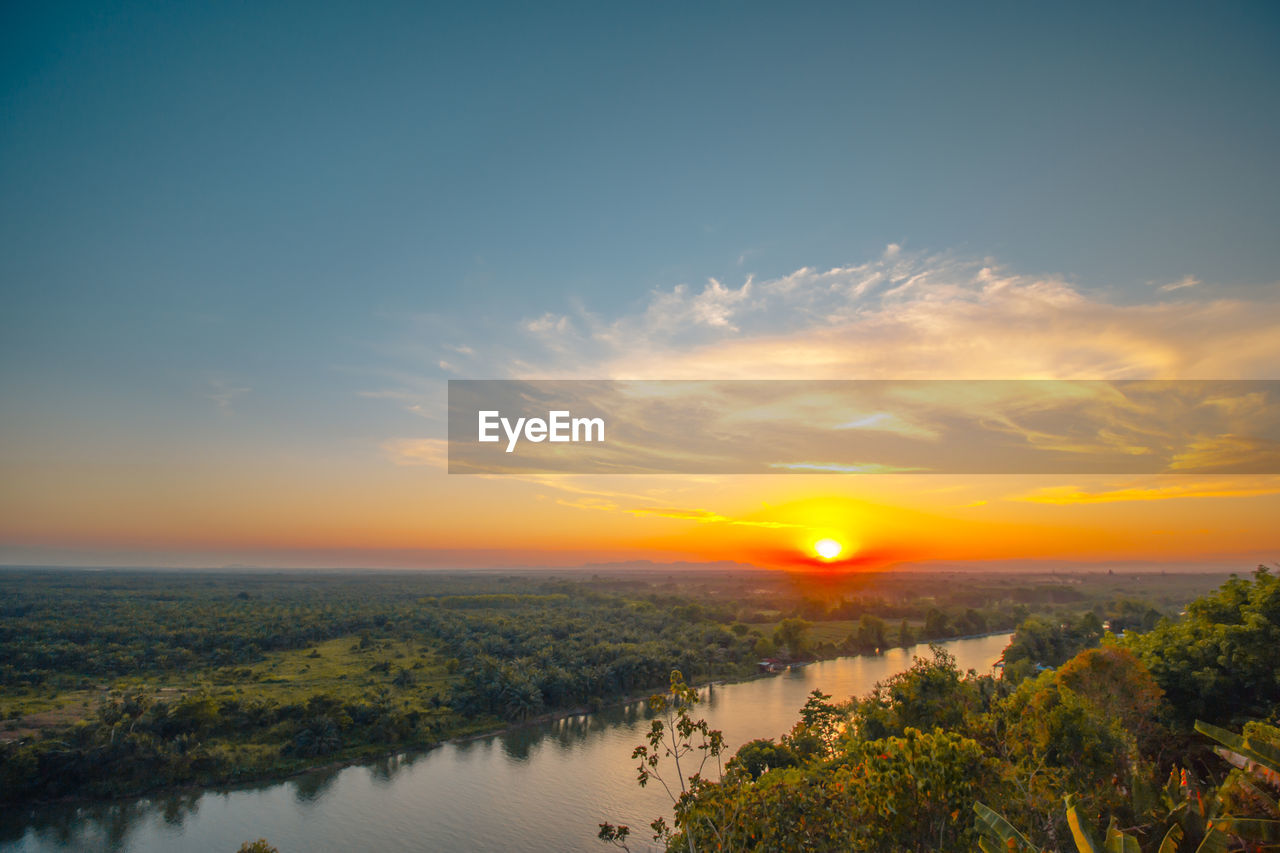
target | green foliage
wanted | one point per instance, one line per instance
(1218, 663)
(1260, 744)
(936, 624)
(615, 835)
(180, 679)
(203, 678)
(906, 636)
(933, 693)
(815, 735)
(871, 636)
(793, 636)
(1184, 818)
(895, 769)
(259, 846)
(755, 757)
(676, 751)
(996, 833)
(1118, 685)
(1047, 642)
(899, 793)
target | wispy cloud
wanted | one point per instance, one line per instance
(703, 516)
(907, 315)
(432, 452)
(1181, 284)
(700, 515)
(1063, 495)
(1223, 453)
(223, 393)
(901, 315)
(836, 468)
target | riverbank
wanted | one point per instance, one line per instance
(541, 784)
(244, 778)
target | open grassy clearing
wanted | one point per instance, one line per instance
(346, 668)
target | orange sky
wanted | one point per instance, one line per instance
(240, 482)
(348, 514)
(242, 254)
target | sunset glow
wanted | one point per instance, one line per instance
(265, 383)
(828, 549)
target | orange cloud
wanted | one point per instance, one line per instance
(1063, 495)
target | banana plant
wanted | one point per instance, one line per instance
(995, 833)
(1260, 758)
(1114, 841)
(1215, 832)
(1252, 754)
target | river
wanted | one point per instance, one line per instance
(537, 787)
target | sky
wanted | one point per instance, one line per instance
(242, 247)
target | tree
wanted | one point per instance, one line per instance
(675, 744)
(932, 693)
(755, 757)
(871, 634)
(793, 633)
(1218, 663)
(1119, 686)
(814, 737)
(259, 846)
(936, 625)
(900, 793)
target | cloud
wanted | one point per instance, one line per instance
(704, 516)
(837, 468)
(549, 323)
(1181, 284)
(699, 515)
(224, 394)
(907, 315)
(888, 422)
(587, 503)
(1062, 495)
(432, 452)
(1221, 453)
(595, 497)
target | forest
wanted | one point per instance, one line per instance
(115, 683)
(1160, 740)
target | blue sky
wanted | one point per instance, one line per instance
(282, 211)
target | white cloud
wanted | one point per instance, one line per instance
(908, 315)
(902, 315)
(1182, 283)
(549, 323)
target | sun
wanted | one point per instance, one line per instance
(828, 549)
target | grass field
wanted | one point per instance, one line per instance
(348, 667)
(837, 631)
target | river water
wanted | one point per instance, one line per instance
(539, 787)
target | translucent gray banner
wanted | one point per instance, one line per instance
(864, 426)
